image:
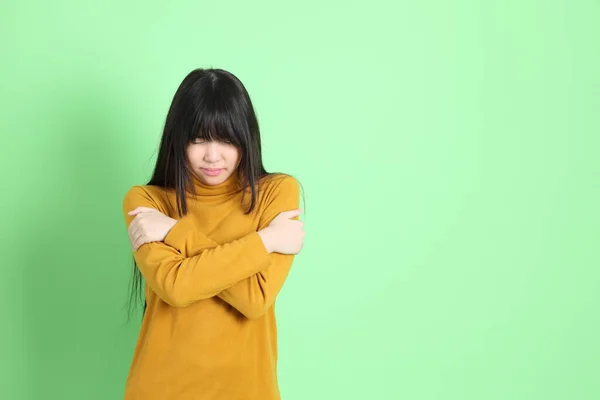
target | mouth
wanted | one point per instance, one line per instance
(212, 171)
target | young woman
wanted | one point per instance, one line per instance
(214, 236)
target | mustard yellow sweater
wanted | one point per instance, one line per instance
(209, 331)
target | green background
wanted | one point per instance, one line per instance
(448, 152)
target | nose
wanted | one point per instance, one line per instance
(211, 154)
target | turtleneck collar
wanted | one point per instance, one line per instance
(229, 186)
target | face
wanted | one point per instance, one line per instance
(212, 161)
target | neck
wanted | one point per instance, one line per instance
(229, 186)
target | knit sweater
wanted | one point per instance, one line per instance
(209, 330)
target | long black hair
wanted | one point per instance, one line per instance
(211, 104)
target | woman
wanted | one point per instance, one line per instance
(214, 236)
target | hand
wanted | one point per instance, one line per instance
(284, 235)
(149, 225)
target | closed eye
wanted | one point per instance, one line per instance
(200, 141)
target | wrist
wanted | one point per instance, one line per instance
(266, 237)
(177, 234)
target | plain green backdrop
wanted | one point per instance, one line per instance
(449, 156)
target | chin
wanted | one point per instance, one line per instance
(215, 180)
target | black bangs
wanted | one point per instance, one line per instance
(218, 125)
(218, 110)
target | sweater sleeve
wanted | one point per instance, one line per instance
(180, 280)
(253, 295)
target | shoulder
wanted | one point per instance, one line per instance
(279, 184)
(278, 192)
(144, 195)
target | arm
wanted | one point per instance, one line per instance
(254, 295)
(180, 280)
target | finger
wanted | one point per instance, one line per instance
(137, 226)
(133, 241)
(139, 241)
(138, 210)
(137, 231)
(135, 211)
(131, 225)
(291, 213)
(134, 225)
